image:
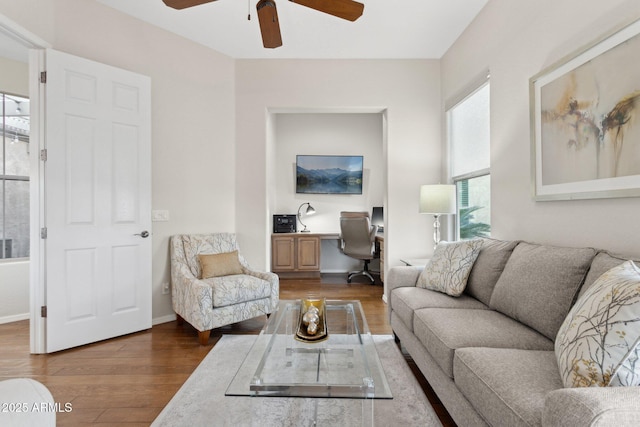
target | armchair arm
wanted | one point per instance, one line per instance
(272, 278)
(192, 298)
(592, 406)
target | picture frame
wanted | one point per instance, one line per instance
(329, 174)
(585, 121)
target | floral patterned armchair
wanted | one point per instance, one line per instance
(217, 301)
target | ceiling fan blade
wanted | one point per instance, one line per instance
(183, 4)
(269, 25)
(345, 9)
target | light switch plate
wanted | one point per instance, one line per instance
(161, 215)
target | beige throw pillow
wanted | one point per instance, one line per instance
(216, 265)
(449, 268)
(599, 342)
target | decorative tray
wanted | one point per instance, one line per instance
(305, 331)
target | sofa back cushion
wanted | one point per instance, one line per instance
(602, 263)
(488, 267)
(539, 284)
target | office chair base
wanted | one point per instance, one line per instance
(360, 273)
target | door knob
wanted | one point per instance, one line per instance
(144, 234)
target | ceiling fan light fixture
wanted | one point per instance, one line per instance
(269, 24)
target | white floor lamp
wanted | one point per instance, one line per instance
(437, 200)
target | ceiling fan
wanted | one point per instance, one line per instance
(268, 15)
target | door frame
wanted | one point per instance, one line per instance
(37, 290)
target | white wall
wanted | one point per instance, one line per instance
(408, 91)
(193, 156)
(517, 40)
(14, 291)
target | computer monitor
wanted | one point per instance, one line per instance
(377, 217)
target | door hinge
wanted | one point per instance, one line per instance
(43, 77)
(43, 311)
(43, 154)
(43, 233)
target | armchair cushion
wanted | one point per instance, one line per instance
(234, 289)
(216, 265)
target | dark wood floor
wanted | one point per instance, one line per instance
(128, 380)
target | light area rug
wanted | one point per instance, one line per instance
(201, 401)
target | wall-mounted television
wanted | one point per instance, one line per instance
(329, 174)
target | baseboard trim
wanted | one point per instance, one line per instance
(14, 318)
(163, 319)
(25, 316)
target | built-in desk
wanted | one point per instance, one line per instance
(297, 255)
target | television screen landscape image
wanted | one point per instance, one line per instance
(329, 174)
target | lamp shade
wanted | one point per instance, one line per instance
(438, 199)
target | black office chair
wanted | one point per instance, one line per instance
(358, 240)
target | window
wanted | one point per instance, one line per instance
(469, 143)
(14, 177)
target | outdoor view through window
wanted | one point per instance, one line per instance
(14, 177)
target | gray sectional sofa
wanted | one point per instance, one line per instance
(489, 353)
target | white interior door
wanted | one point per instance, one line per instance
(97, 199)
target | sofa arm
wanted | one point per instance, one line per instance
(592, 406)
(398, 277)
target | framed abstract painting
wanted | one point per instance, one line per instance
(585, 121)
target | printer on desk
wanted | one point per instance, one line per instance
(284, 224)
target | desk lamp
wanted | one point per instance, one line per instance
(309, 211)
(437, 200)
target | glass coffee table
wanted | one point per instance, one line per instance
(345, 365)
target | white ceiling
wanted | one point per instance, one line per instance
(387, 29)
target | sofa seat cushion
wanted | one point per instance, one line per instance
(442, 331)
(404, 301)
(507, 386)
(539, 284)
(238, 288)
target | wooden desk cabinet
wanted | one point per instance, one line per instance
(295, 255)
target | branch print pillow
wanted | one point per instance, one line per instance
(598, 343)
(450, 267)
